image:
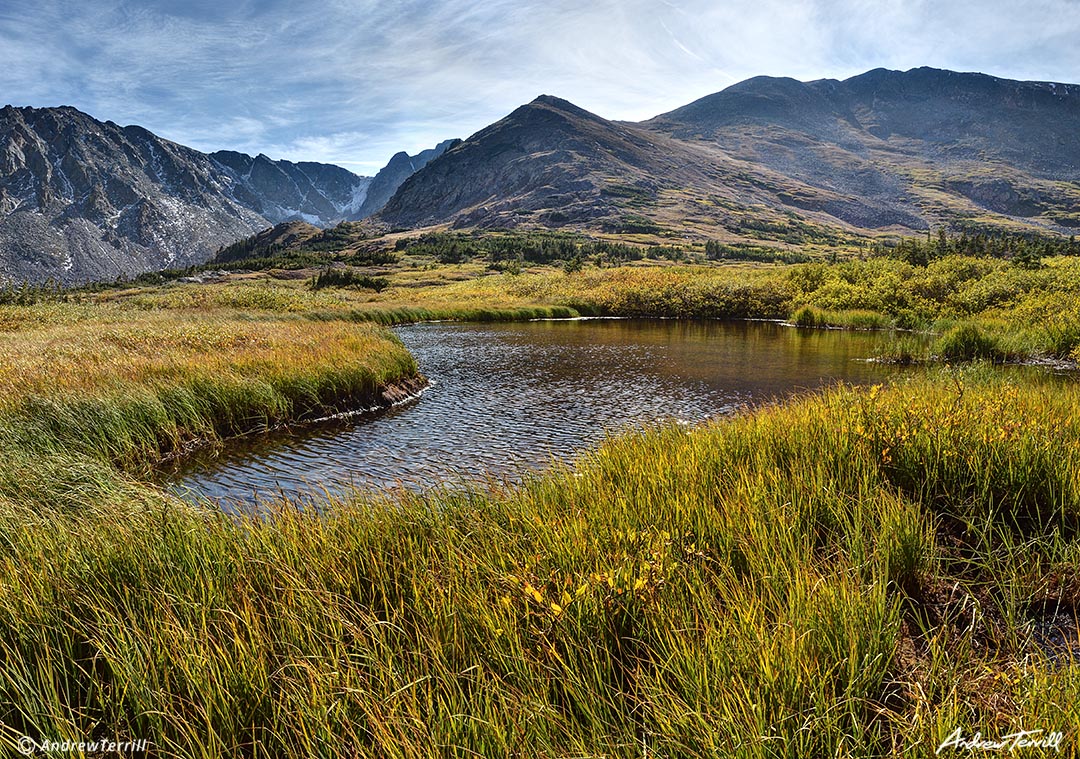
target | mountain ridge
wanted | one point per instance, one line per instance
(399, 168)
(826, 161)
(884, 151)
(82, 199)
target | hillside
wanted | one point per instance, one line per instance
(82, 199)
(884, 152)
(552, 164)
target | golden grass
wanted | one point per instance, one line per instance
(166, 347)
(854, 574)
(131, 386)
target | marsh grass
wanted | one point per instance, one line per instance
(1030, 313)
(808, 316)
(855, 573)
(967, 342)
(130, 390)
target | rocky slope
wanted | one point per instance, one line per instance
(884, 152)
(82, 199)
(390, 177)
(318, 193)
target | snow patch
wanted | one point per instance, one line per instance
(359, 195)
(67, 191)
(296, 213)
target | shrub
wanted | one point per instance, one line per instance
(331, 277)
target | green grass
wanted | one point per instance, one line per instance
(1034, 313)
(808, 316)
(132, 388)
(855, 573)
(967, 342)
(412, 314)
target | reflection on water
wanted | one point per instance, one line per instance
(507, 396)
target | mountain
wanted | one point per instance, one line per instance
(552, 163)
(82, 199)
(948, 146)
(317, 193)
(826, 161)
(390, 177)
(883, 152)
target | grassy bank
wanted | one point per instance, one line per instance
(1018, 313)
(127, 388)
(853, 574)
(857, 573)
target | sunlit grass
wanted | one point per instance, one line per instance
(856, 573)
(1033, 313)
(131, 388)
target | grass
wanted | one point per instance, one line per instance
(1034, 313)
(808, 316)
(132, 387)
(855, 573)
(967, 342)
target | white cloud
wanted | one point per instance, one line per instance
(357, 80)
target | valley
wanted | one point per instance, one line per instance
(751, 429)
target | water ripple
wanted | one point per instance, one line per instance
(509, 396)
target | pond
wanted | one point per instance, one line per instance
(505, 397)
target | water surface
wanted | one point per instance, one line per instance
(508, 396)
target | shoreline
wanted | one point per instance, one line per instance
(396, 393)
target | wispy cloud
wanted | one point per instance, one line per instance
(353, 81)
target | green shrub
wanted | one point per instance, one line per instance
(331, 277)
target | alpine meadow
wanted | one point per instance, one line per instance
(749, 429)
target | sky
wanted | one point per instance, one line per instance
(352, 82)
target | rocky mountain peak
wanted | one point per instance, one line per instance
(83, 199)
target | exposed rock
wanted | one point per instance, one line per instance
(887, 150)
(389, 179)
(82, 199)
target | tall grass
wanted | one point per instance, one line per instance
(851, 574)
(856, 573)
(132, 390)
(967, 342)
(1036, 311)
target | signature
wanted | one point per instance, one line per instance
(1011, 742)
